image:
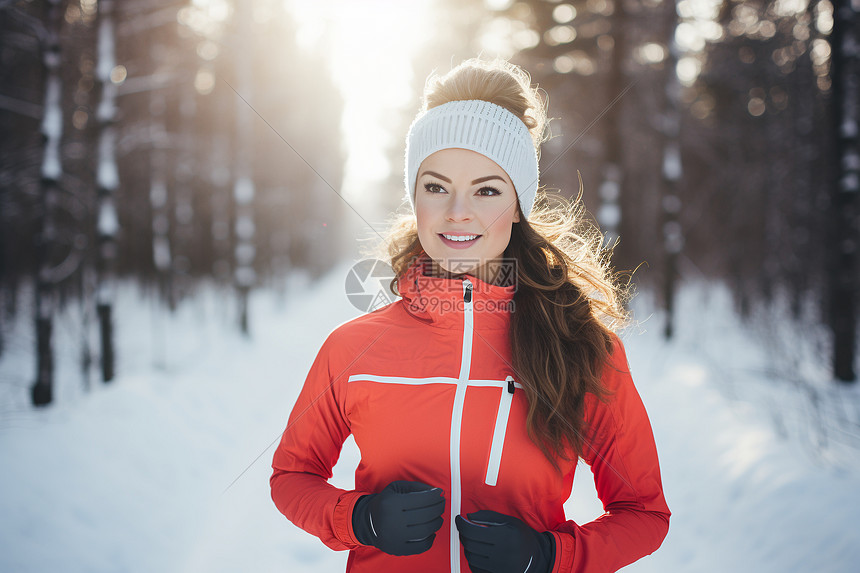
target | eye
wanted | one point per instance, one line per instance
(433, 188)
(492, 191)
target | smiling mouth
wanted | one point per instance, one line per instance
(456, 243)
(459, 238)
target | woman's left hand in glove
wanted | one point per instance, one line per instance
(497, 543)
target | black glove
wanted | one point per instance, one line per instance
(498, 543)
(402, 519)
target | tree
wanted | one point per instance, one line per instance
(671, 169)
(845, 236)
(107, 181)
(52, 170)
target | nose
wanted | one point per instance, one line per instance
(459, 208)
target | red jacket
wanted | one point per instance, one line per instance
(426, 388)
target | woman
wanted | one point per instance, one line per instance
(472, 397)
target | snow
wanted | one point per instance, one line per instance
(160, 245)
(672, 161)
(52, 123)
(52, 129)
(108, 223)
(107, 174)
(243, 190)
(52, 168)
(106, 50)
(610, 190)
(107, 108)
(609, 215)
(245, 227)
(166, 469)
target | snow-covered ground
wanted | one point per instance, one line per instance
(167, 468)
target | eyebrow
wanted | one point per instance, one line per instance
(475, 182)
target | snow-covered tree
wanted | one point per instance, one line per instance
(671, 168)
(244, 187)
(844, 268)
(51, 172)
(107, 182)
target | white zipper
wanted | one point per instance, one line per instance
(457, 421)
(463, 382)
(499, 431)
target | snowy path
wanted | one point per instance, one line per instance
(136, 476)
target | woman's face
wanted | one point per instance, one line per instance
(462, 193)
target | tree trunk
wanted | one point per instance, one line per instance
(673, 236)
(243, 191)
(609, 212)
(52, 130)
(183, 213)
(107, 182)
(159, 199)
(845, 75)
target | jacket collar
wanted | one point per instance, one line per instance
(440, 301)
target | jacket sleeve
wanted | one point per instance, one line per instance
(306, 454)
(623, 459)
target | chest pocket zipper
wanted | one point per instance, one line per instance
(499, 432)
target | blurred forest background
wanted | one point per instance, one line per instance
(176, 144)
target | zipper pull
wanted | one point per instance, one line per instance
(511, 386)
(467, 294)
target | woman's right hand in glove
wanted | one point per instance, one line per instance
(402, 519)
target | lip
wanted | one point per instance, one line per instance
(459, 244)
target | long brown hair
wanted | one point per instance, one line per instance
(567, 300)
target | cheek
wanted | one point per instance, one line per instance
(500, 222)
(424, 219)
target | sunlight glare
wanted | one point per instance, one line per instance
(563, 13)
(369, 47)
(496, 35)
(213, 9)
(688, 69)
(498, 4)
(650, 53)
(688, 38)
(786, 8)
(824, 20)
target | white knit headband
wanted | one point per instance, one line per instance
(480, 126)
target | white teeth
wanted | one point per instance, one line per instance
(460, 238)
